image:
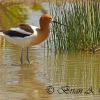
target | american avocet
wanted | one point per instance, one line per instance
(25, 35)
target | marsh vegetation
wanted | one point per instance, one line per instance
(76, 26)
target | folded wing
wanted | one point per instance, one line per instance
(23, 30)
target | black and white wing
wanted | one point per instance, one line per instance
(23, 30)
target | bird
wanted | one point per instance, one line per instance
(25, 35)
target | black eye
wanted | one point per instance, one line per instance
(50, 18)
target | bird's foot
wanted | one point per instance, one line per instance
(28, 61)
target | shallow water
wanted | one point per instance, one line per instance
(50, 76)
(30, 82)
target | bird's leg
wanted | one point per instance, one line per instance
(28, 55)
(21, 56)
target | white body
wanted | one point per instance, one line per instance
(19, 41)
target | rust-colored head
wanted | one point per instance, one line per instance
(45, 19)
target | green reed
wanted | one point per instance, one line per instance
(76, 25)
(12, 14)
